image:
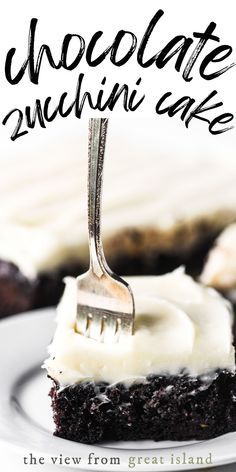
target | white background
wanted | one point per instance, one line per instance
(57, 18)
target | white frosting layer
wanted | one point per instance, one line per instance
(44, 204)
(220, 268)
(179, 324)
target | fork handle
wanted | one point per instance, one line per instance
(96, 150)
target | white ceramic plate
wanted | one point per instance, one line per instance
(25, 417)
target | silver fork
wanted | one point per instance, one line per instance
(105, 304)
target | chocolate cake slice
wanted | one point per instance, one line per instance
(23, 291)
(162, 407)
(174, 379)
(169, 213)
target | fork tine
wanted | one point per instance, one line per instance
(94, 322)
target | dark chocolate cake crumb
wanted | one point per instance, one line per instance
(16, 290)
(161, 408)
(19, 293)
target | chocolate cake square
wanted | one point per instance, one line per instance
(174, 379)
(43, 217)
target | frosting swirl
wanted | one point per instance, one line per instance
(179, 325)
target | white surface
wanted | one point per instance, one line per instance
(12, 462)
(179, 324)
(25, 420)
(87, 17)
